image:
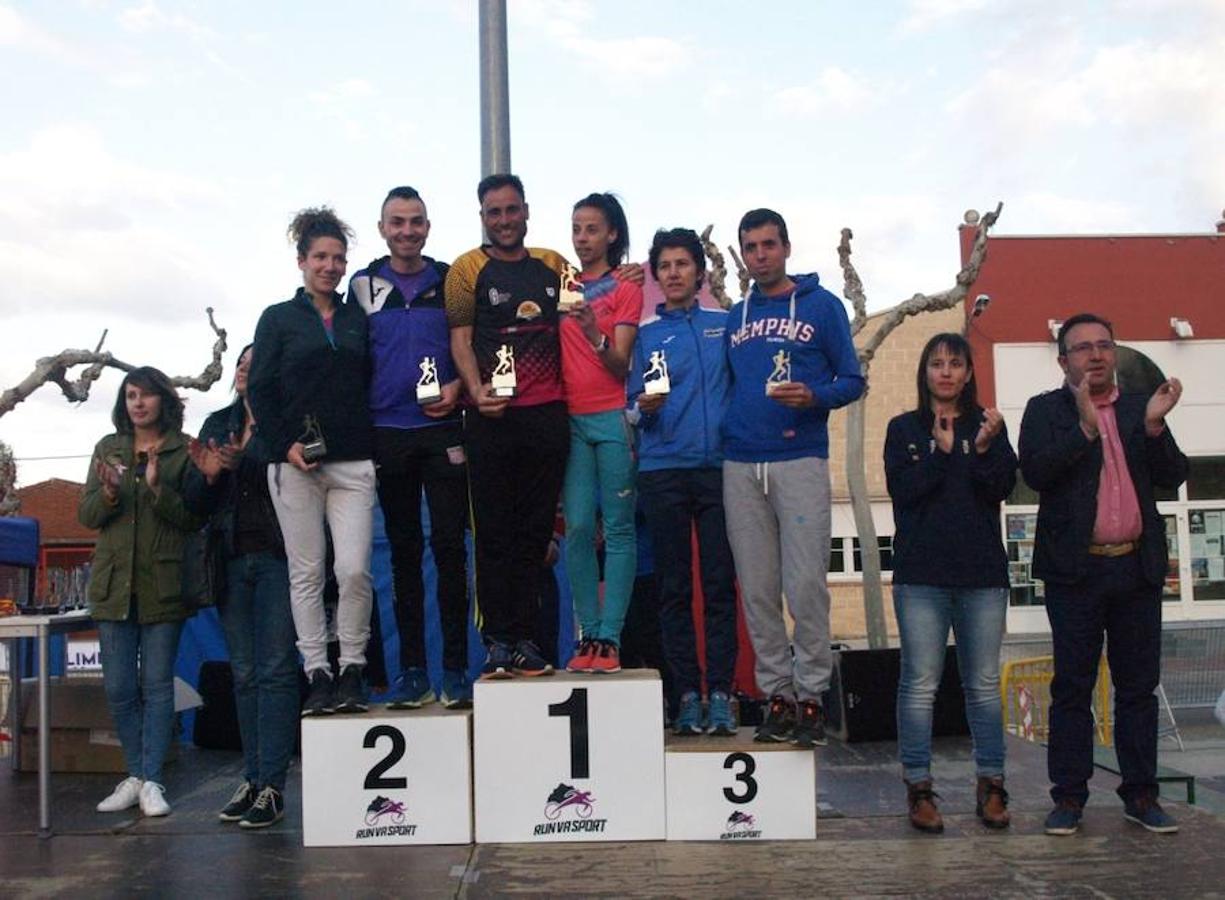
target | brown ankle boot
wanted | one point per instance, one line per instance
(992, 806)
(923, 813)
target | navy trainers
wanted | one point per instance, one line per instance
(411, 690)
(719, 718)
(499, 662)
(689, 717)
(527, 660)
(1146, 812)
(456, 690)
(351, 691)
(1064, 818)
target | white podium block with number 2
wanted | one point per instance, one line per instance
(570, 758)
(387, 777)
(733, 790)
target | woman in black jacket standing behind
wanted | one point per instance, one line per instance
(231, 485)
(949, 466)
(308, 387)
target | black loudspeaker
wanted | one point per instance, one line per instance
(862, 701)
(217, 720)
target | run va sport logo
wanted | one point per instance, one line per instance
(569, 810)
(740, 825)
(385, 818)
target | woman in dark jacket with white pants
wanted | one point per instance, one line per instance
(308, 387)
(133, 497)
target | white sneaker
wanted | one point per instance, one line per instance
(125, 795)
(153, 800)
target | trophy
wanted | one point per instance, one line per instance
(655, 379)
(571, 290)
(503, 376)
(428, 389)
(314, 447)
(781, 373)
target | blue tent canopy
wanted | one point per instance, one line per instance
(18, 541)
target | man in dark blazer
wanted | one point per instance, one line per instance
(1095, 457)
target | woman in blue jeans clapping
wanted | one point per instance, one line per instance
(229, 482)
(133, 497)
(949, 466)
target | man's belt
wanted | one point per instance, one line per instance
(1114, 549)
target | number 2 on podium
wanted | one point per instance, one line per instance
(375, 780)
(574, 708)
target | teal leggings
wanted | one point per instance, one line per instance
(601, 468)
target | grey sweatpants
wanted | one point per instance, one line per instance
(778, 523)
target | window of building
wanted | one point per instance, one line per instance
(886, 553)
(1019, 528)
(1206, 480)
(837, 557)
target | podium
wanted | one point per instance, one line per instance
(387, 777)
(570, 758)
(732, 789)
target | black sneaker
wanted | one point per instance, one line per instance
(268, 809)
(239, 803)
(779, 723)
(528, 661)
(321, 700)
(350, 692)
(499, 662)
(809, 728)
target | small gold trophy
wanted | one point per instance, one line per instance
(503, 376)
(571, 290)
(655, 379)
(781, 373)
(428, 389)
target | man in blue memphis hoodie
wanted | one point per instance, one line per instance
(792, 361)
(680, 481)
(417, 445)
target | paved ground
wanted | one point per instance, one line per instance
(864, 846)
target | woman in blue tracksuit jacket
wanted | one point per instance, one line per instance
(680, 481)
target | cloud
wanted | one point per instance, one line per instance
(926, 13)
(149, 17)
(571, 25)
(17, 31)
(833, 90)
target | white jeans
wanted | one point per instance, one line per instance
(342, 495)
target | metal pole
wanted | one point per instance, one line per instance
(495, 90)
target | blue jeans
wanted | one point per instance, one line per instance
(924, 614)
(259, 631)
(138, 674)
(601, 465)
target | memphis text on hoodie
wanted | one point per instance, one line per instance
(810, 325)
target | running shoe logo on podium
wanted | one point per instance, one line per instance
(569, 810)
(385, 818)
(740, 825)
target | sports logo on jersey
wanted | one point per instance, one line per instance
(497, 298)
(371, 293)
(528, 309)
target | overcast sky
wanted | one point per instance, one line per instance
(152, 152)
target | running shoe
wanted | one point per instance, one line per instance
(809, 730)
(607, 658)
(719, 717)
(456, 690)
(350, 691)
(688, 719)
(321, 700)
(411, 690)
(583, 656)
(779, 723)
(526, 660)
(499, 662)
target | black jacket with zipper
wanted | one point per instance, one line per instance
(1065, 467)
(299, 370)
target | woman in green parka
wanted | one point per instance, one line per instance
(133, 497)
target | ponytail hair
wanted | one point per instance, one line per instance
(614, 215)
(317, 222)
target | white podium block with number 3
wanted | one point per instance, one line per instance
(387, 777)
(570, 758)
(731, 789)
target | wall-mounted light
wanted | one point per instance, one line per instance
(980, 305)
(1053, 325)
(1182, 328)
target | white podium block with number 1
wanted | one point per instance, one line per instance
(570, 758)
(731, 789)
(387, 777)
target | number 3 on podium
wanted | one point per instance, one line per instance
(574, 708)
(745, 777)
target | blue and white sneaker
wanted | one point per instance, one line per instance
(499, 662)
(688, 719)
(456, 690)
(411, 690)
(719, 717)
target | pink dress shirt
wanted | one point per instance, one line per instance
(1118, 510)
